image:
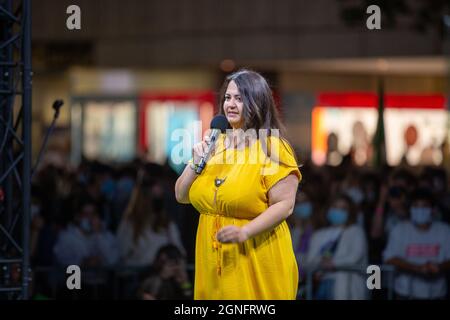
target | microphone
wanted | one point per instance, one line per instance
(57, 104)
(218, 125)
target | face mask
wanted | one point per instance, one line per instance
(356, 195)
(85, 225)
(337, 216)
(421, 215)
(303, 210)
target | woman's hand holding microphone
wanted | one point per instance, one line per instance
(199, 150)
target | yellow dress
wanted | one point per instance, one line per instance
(263, 267)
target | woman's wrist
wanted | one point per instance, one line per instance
(245, 230)
(193, 166)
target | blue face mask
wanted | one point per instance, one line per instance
(303, 210)
(337, 216)
(421, 215)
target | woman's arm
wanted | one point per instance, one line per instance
(281, 204)
(188, 176)
(183, 184)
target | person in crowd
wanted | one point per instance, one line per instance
(391, 209)
(86, 241)
(168, 279)
(370, 183)
(341, 245)
(98, 187)
(435, 180)
(145, 226)
(419, 248)
(304, 221)
(124, 188)
(352, 187)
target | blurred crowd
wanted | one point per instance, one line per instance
(347, 218)
(122, 224)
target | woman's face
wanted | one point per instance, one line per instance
(233, 106)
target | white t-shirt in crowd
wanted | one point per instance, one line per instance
(418, 247)
(73, 246)
(351, 252)
(144, 251)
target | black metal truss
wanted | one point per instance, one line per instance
(15, 147)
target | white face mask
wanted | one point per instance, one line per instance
(421, 215)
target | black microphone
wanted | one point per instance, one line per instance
(218, 125)
(56, 106)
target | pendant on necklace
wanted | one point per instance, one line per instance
(218, 182)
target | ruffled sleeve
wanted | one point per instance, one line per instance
(281, 163)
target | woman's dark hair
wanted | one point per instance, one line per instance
(165, 253)
(259, 110)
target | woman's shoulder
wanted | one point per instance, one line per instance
(281, 146)
(279, 141)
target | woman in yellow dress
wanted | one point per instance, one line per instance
(244, 195)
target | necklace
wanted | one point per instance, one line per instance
(218, 182)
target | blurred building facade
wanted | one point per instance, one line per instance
(129, 50)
